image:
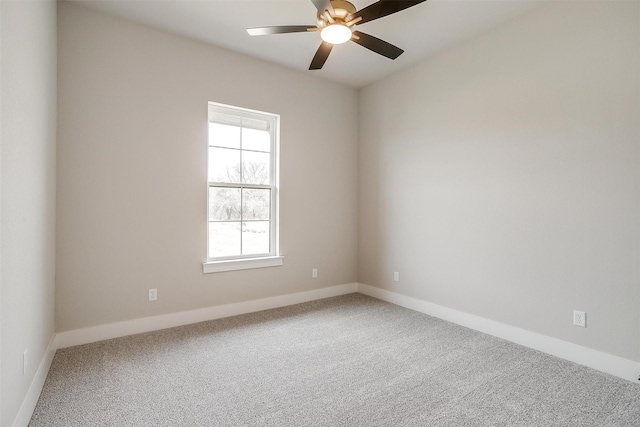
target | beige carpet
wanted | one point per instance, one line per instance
(345, 361)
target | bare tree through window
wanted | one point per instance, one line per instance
(241, 184)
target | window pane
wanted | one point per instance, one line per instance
(256, 203)
(258, 140)
(224, 204)
(224, 135)
(224, 165)
(224, 239)
(255, 168)
(255, 237)
(241, 175)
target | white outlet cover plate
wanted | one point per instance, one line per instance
(580, 318)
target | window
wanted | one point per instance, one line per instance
(242, 189)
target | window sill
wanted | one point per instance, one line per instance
(241, 264)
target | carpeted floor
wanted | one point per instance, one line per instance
(345, 361)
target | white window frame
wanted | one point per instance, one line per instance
(273, 258)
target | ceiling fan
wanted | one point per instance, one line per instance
(335, 21)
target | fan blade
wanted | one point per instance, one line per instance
(382, 8)
(265, 31)
(378, 46)
(321, 56)
(323, 5)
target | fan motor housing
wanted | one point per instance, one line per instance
(341, 8)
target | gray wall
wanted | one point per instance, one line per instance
(28, 187)
(132, 172)
(502, 177)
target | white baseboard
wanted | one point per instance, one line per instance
(604, 362)
(33, 394)
(154, 323)
(598, 360)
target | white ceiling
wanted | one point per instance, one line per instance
(421, 31)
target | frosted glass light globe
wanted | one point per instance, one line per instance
(336, 34)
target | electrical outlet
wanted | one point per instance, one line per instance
(153, 294)
(314, 273)
(24, 361)
(396, 276)
(580, 318)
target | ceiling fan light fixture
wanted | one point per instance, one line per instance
(335, 20)
(336, 33)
